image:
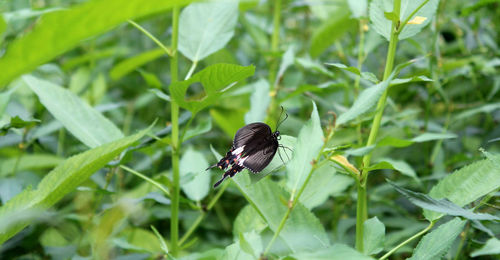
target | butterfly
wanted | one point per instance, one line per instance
(254, 147)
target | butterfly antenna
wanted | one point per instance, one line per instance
(286, 116)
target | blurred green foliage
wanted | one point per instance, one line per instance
(378, 90)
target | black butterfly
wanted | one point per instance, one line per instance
(254, 147)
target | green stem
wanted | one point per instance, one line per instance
(295, 199)
(273, 68)
(146, 178)
(170, 52)
(203, 214)
(407, 241)
(362, 215)
(175, 188)
(191, 70)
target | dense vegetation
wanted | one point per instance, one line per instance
(111, 110)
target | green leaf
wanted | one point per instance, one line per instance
(248, 220)
(435, 244)
(394, 142)
(4, 100)
(3, 28)
(309, 143)
(334, 252)
(324, 182)
(287, 60)
(487, 109)
(398, 165)
(492, 247)
(373, 236)
(259, 101)
(17, 122)
(381, 18)
(201, 128)
(79, 80)
(126, 66)
(443, 205)
(215, 79)
(29, 162)
(58, 32)
(302, 231)
(331, 30)
(410, 79)
(359, 8)
(248, 246)
(425, 137)
(151, 79)
(60, 181)
(364, 103)
(205, 28)
(467, 184)
(160, 94)
(84, 122)
(193, 162)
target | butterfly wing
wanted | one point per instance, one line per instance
(254, 133)
(258, 160)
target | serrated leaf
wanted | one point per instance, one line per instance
(81, 120)
(382, 16)
(492, 247)
(248, 247)
(194, 162)
(373, 236)
(309, 143)
(442, 205)
(435, 244)
(205, 28)
(215, 80)
(60, 181)
(467, 184)
(57, 32)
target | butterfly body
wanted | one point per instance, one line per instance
(253, 148)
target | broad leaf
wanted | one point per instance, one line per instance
(206, 27)
(302, 230)
(382, 25)
(286, 61)
(60, 181)
(57, 32)
(492, 247)
(373, 236)
(468, 183)
(359, 8)
(248, 246)
(443, 205)
(309, 143)
(83, 121)
(215, 80)
(324, 182)
(435, 244)
(193, 162)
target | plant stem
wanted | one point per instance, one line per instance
(295, 199)
(146, 178)
(362, 202)
(170, 52)
(175, 189)
(203, 214)
(408, 241)
(273, 68)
